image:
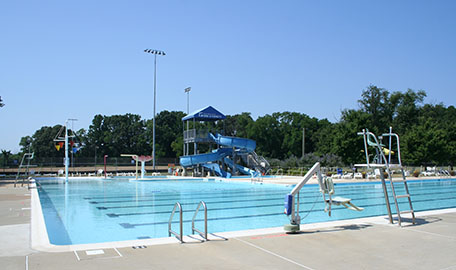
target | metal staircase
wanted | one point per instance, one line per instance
(385, 165)
(258, 163)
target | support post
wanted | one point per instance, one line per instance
(66, 152)
(105, 156)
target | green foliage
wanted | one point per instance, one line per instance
(427, 132)
(42, 142)
(168, 133)
(5, 157)
(115, 135)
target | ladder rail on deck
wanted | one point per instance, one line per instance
(194, 229)
(180, 235)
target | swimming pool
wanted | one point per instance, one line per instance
(97, 210)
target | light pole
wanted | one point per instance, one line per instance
(155, 53)
(187, 90)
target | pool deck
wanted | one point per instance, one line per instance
(368, 243)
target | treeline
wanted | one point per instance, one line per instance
(427, 132)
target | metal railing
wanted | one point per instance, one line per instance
(295, 218)
(180, 235)
(194, 229)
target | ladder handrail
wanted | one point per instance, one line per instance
(194, 229)
(180, 235)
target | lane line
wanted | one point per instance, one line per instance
(430, 233)
(77, 256)
(413, 230)
(274, 254)
(118, 252)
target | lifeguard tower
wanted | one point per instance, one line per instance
(382, 164)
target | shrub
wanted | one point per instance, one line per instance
(416, 173)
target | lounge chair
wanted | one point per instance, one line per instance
(358, 175)
(347, 176)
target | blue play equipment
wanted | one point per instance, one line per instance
(230, 150)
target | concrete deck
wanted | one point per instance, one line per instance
(369, 243)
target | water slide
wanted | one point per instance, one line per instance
(206, 160)
(241, 169)
(216, 168)
(241, 143)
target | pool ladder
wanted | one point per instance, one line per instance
(180, 235)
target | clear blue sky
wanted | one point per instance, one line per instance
(75, 59)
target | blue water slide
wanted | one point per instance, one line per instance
(188, 161)
(228, 141)
(217, 170)
(241, 169)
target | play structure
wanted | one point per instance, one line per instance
(379, 161)
(231, 156)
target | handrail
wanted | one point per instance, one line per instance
(295, 218)
(179, 236)
(278, 170)
(194, 229)
(391, 134)
(366, 134)
(315, 169)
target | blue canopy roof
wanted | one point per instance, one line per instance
(205, 114)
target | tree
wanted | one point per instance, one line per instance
(115, 135)
(376, 104)
(406, 108)
(5, 155)
(25, 144)
(168, 133)
(236, 125)
(347, 144)
(43, 144)
(1, 102)
(266, 132)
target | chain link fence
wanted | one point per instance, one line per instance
(52, 165)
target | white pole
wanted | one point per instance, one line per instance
(143, 168)
(66, 151)
(155, 98)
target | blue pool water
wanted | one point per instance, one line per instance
(93, 211)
